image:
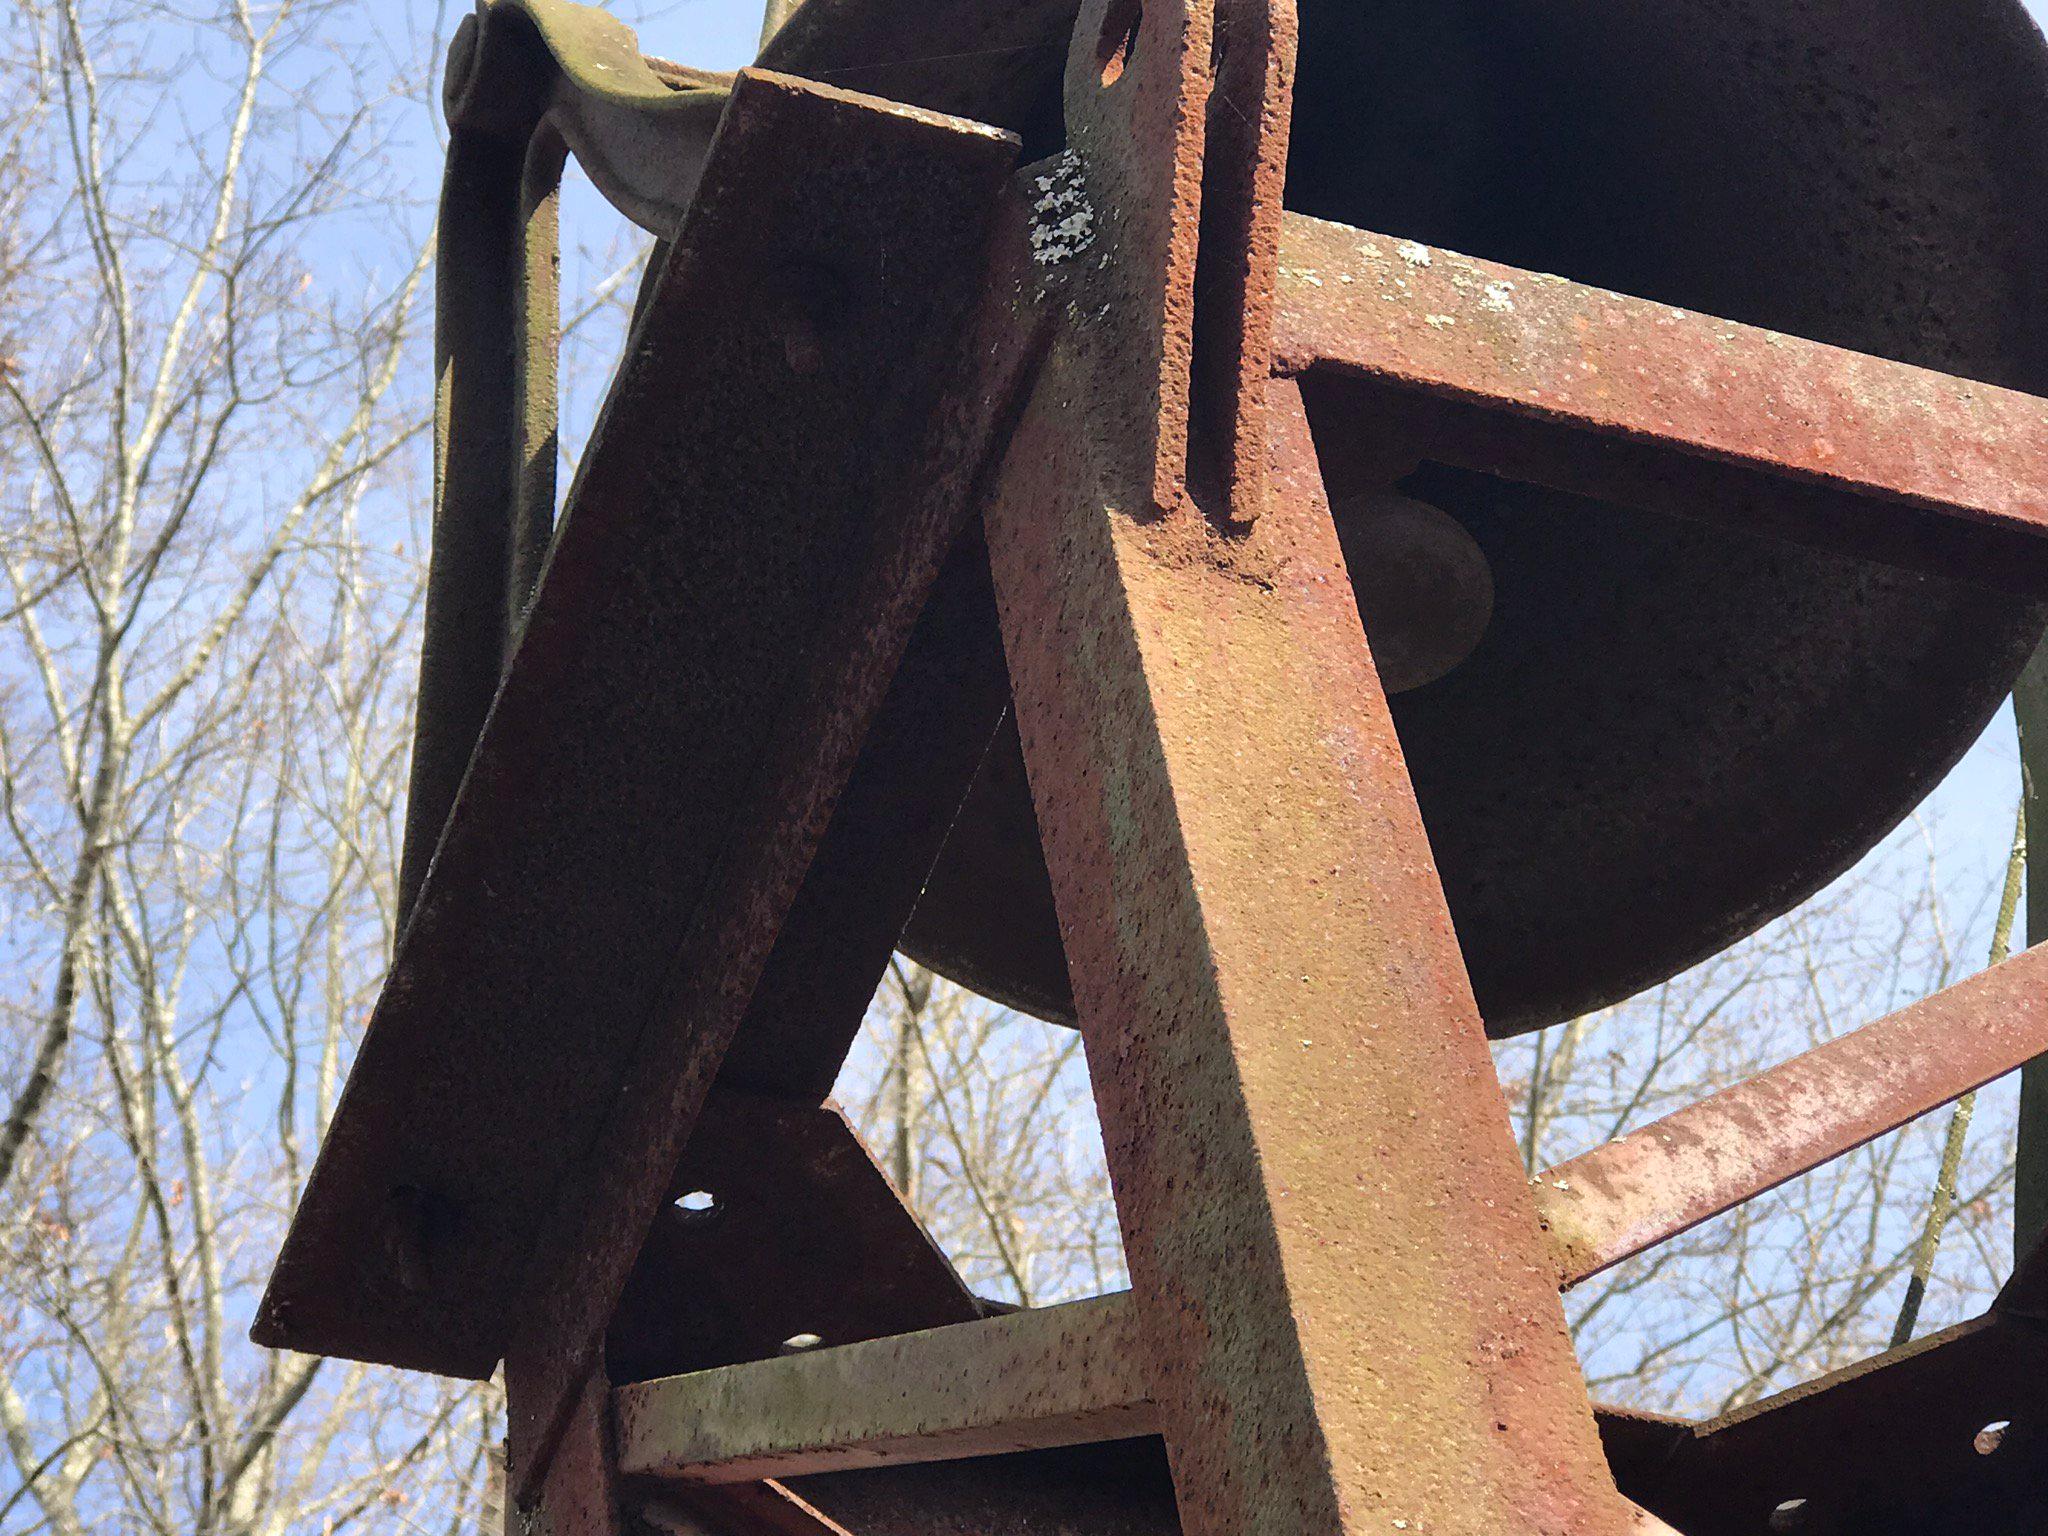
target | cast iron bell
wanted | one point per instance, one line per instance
(1657, 735)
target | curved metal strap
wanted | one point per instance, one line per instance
(528, 82)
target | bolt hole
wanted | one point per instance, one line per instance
(698, 1204)
(1789, 1516)
(1119, 38)
(797, 1343)
(1992, 1436)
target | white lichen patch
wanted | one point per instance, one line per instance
(1414, 252)
(1062, 223)
(1499, 298)
(1439, 322)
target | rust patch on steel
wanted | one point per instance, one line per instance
(1325, 1261)
(901, 235)
(1657, 1182)
(994, 63)
(1050, 1376)
(1895, 456)
(713, 634)
(1055, 1378)
(921, 754)
(1116, 228)
(1343, 1317)
(578, 1493)
(1244, 172)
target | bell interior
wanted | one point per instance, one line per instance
(1669, 733)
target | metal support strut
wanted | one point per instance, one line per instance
(904, 432)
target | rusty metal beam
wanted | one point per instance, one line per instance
(1244, 167)
(1029, 1380)
(877, 250)
(1562, 384)
(1874, 1448)
(525, 80)
(994, 63)
(714, 632)
(920, 756)
(1247, 897)
(1035, 1381)
(1045, 1379)
(1667, 1177)
(577, 1493)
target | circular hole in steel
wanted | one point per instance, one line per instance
(1119, 38)
(797, 1343)
(1992, 1436)
(1789, 1516)
(698, 1204)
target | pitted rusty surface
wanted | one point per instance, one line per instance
(1329, 1234)
(715, 632)
(579, 1496)
(1640, 762)
(1351, 1317)
(1892, 1446)
(921, 753)
(998, 63)
(1052, 1378)
(1403, 314)
(1136, 82)
(1659, 1181)
(1244, 173)
(1045, 1377)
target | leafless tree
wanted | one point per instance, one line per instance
(1811, 1277)
(982, 1118)
(212, 410)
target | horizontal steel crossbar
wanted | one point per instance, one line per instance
(1032, 1380)
(1563, 384)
